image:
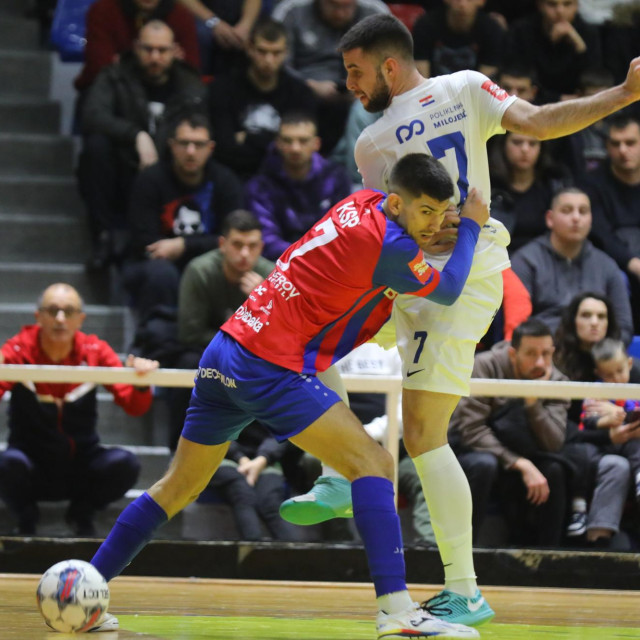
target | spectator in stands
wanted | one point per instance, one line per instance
(124, 127)
(176, 213)
(586, 150)
(295, 185)
(223, 31)
(613, 425)
(558, 44)
(524, 178)
(212, 287)
(614, 189)
(458, 36)
(315, 28)
(518, 81)
(112, 27)
(556, 267)
(54, 451)
(246, 106)
(621, 38)
(504, 439)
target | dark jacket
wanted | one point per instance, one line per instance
(55, 423)
(287, 208)
(117, 104)
(553, 281)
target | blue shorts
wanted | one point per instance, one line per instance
(234, 387)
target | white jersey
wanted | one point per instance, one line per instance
(451, 118)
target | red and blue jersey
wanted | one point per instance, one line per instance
(334, 288)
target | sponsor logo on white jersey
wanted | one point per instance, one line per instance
(283, 285)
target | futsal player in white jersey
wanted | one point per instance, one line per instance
(449, 117)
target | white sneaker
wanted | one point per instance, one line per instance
(415, 622)
(106, 622)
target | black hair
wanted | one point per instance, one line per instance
(381, 34)
(607, 349)
(269, 29)
(595, 77)
(417, 174)
(240, 220)
(298, 117)
(563, 190)
(194, 118)
(533, 328)
(621, 120)
(519, 70)
(569, 357)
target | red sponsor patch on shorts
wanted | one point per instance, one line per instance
(421, 269)
(495, 90)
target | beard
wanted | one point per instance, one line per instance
(380, 96)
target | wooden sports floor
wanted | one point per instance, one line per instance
(194, 609)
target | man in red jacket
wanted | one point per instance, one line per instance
(54, 452)
(113, 25)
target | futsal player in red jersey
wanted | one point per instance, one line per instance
(329, 292)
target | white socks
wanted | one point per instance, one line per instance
(446, 490)
(394, 602)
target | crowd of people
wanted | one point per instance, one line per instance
(215, 134)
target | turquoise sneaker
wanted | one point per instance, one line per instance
(452, 607)
(329, 498)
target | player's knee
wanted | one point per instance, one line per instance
(377, 462)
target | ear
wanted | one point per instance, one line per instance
(548, 218)
(389, 68)
(394, 204)
(221, 242)
(630, 362)
(317, 143)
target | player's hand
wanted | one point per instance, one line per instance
(141, 365)
(536, 483)
(475, 208)
(167, 249)
(252, 469)
(146, 148)
(632, 81)
(249, 282)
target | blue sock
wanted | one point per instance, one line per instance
(379, 526)
(133, 529)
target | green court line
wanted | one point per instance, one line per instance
(262, 628)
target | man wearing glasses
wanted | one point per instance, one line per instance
(54, 452)
(175, 214)
(124, 125)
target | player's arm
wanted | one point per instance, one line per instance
(563, 118)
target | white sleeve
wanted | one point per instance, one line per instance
(371, 163)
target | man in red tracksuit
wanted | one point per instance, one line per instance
(54, 452)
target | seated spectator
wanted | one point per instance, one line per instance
(458, 36)
(556, 267)
(212, 287)
(54, 450)
(176, 212)
(614, 189)
(315, 28)
(124, 127)
(558, 44)
(250, 480)
(247, 105)
(295, 185)
(496, 438)
(223, 31)
(499, 438)
(524, 178)
(613, 425)
(519, 81)
(586, 150)
(112, 27)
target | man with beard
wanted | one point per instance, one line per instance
(451, 118)
(123, 127)
(176, 212)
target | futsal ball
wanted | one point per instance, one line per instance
(72, 595)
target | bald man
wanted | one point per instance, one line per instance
(54, 452)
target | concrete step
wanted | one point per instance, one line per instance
(23, 281)
(40, 116)
(18, 33)
(25, 73)
(107, 322)
(35, 154)
(47, 238)
(40, 194)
